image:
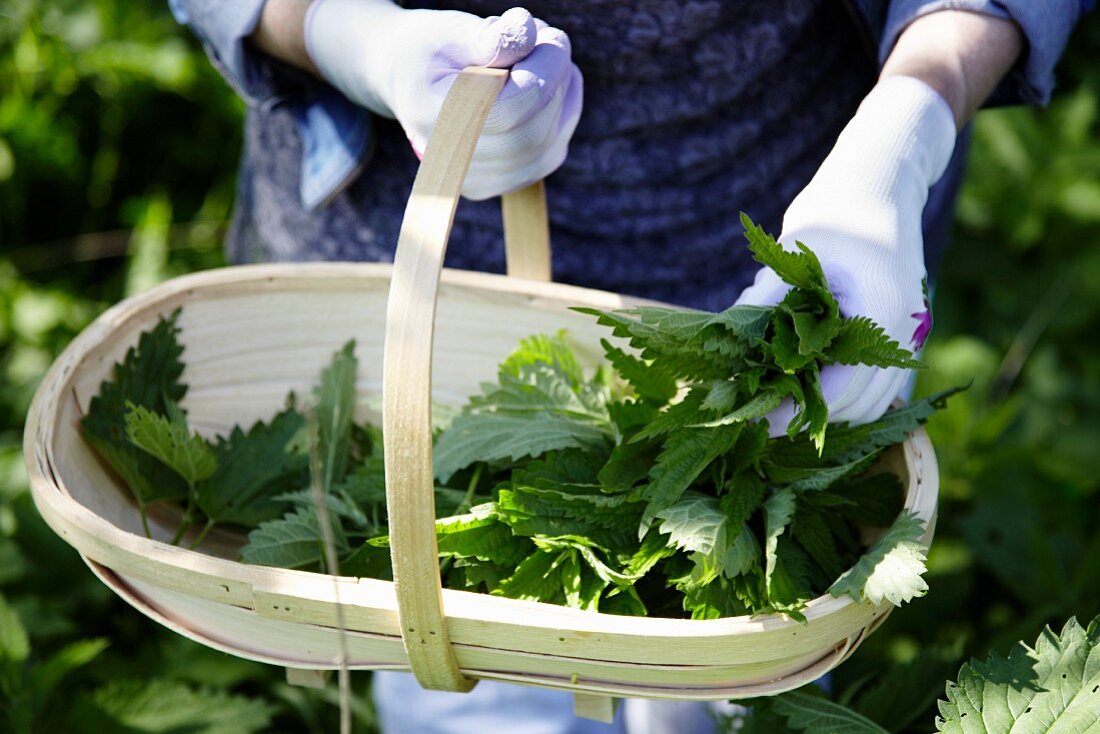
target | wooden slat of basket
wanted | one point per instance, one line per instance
(527, 233)
(307, 646)
(407, 376)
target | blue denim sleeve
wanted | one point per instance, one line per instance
(336, 134)
(222, 28)
(1045, 25)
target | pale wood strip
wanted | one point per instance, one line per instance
(307, 678)
(527, 232)
(407, 377)
(595, 707)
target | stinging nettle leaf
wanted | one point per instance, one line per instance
(799, 268)
(892, 569)
(171, 442)
(1051, 688)
(334, 407)
(814, 714)
(861, 341)
(158, 705)
(253, 468)
(495, 437)
(149, 376)
(292, 541)
(685, 455)
(649, 380)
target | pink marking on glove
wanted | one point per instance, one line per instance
(924, 326)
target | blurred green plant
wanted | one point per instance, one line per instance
(99, 102)
(103, 192)
(101, 106)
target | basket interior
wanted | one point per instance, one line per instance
(249, 344)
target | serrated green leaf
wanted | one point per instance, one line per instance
(847, 443)
(816, 320)
(891, 569)
(872, 501)
(540, 513)
(541, 349)
(694, 523)
(538, 577)
(721, 396)
(815, 412)
(334, 407)
(253, 469)
(480, 534)
(799, 268)
(684, 457)
(148, 376)
(495, 437)
(172, 443)
(815, 714)
(649, 380)
(747, 322)
(628, 464)
(785, 346)
(1051, 688)
(158, 706)
(811, 531)
(713, 600)
(861, 341)
(757, 407)
(778, 511)
(687, 412)
(789, 586)
(807, 479)
(292, 541)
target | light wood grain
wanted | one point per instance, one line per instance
(527, 233)
(407, 376)
(595, 707)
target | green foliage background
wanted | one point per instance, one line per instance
(118, 148)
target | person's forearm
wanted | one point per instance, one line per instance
(961, 55)
(280, 32)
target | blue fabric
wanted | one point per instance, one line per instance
(337, 134)
(404, 707)
(681, 131)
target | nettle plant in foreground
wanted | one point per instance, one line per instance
(1052, 687)
(647, 487)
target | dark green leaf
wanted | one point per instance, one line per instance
(253, 468)
(334, 409)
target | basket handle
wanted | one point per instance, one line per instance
(407, 360)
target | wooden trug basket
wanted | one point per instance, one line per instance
(254, 333)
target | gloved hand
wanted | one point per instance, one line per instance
(861, 215)
(401, 63)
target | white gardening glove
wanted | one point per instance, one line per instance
(401, 63)
(861, 215)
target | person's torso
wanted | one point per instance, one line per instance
(694, 110)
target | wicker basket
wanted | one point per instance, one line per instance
(254, 333)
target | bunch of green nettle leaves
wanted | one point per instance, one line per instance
(648, 488)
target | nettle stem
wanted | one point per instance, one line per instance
(463, 506)
(185, 523)
(202, 534)
(144, 519)
(468, 500)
